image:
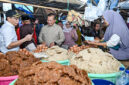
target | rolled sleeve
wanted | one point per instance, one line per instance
(114, 40)
(7, 38)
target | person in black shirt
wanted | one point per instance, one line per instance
(96, 30)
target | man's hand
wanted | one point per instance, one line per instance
(19, 42)
(52, 44)
(28, 37)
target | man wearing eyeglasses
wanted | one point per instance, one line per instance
(8, 37)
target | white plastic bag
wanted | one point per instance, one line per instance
(92, 12)
(124, 5)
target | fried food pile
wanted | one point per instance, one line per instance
(52, 73)
(12, 62)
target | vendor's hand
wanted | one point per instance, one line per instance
(28, 37)
(85, 42)
(97, 41)
(91, 42)
(52, 44)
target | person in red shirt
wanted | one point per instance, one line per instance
(34, 22)
(26, 20)
(27, 28)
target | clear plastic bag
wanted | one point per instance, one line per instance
(93, 12)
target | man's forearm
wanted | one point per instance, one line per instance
(16, 44)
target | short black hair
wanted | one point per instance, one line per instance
(52, 14)
(12, 13)
(96, 22)
(25, 17)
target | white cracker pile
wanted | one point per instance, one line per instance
(94, 60)
(56, 53)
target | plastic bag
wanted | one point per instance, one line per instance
(124, 5)
(113, 4)
(93, 12)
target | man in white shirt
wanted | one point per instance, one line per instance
(8, 37)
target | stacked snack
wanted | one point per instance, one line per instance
(94, 60)
(52, 73)
(12, 62)
(56, 53)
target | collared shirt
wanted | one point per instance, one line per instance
(51, 34)
(7, 36)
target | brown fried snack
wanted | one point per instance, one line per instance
(52, 73)
(12, 62)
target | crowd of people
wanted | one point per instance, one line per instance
(30, 33)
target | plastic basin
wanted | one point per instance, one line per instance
(102, 82)
(7, 80)
(13, 82)
(109, 77)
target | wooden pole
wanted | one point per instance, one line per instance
(14, 2)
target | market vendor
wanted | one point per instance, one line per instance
(51, 34)
(116, 36)
(8, 37)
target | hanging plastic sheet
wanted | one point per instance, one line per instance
(124, 5)
(93, 12)
(114, 4)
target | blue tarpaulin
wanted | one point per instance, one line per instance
(27, 12)
(24, 9)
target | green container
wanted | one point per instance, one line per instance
(12, 83)
(64, 62)
(110, 77)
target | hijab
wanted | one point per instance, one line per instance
(65, 29)
(116, 26)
